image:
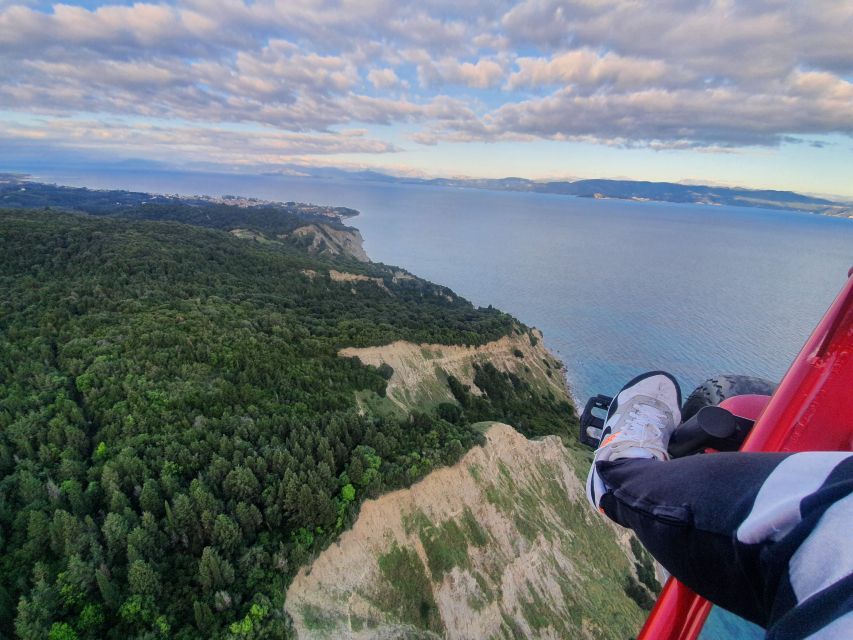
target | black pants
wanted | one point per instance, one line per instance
(767, 536)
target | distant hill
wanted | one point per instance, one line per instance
(664, 192)
(16, 191)
(622, 190)
(697, 194)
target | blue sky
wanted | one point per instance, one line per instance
(757, 94)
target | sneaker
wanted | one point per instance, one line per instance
(639, 422)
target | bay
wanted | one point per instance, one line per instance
(617, 287)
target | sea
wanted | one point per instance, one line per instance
(617, 287)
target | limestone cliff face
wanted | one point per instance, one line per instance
(501, 545)
(329, 240)
(322, 239)
(421, 370)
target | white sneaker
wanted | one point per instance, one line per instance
(639, 423)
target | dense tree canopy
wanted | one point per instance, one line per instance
(177, 432)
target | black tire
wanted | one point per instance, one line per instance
(714, 390)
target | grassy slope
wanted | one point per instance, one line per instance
(504, 543)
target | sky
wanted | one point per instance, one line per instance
(751, 93)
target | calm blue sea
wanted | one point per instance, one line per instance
(617, 287)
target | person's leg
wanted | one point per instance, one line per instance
(686, 512)
(738, 529)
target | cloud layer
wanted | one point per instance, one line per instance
(265, 81)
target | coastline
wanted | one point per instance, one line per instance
(562, 370)
(205, 181)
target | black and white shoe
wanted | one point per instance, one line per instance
(639, 423)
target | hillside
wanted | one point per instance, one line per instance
(178, 432)
(501, 545)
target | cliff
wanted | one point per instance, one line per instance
(421, 370)
(501, 545)
(327, 240)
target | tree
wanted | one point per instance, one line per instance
(250, 518)
(142, 579)
(115, 530)
(183, 520)
(204, 619)
(36, 610)
(226, 533)
(91, 619)
(61, 631)
(73, 493)
(65, 533)
(450, 412)
(109, 593)
(149, 498)
(214, 572)
(241, 484)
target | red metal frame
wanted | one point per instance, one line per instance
(749, 406)
(812, 410)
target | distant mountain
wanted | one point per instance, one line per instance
(698, 194)
(620, 190)
(12, 195)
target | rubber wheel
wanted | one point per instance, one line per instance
(714, 390)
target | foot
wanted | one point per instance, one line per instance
(639, 422)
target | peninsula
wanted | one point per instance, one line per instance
(199, 395)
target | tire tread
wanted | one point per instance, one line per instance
(714, 390)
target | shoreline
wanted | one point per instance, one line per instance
(575, 400)
(835, 206)
(334, 213)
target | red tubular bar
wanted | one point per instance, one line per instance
(812, 410)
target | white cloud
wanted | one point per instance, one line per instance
(383, 78)
(191, 143)
(481, 74)
(676, 118)
(715, 74)
(585, 67)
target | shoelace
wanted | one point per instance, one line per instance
(641, 416)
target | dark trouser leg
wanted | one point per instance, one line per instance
(765, 535)
(687, 511)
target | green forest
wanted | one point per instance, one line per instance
(177, 433)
